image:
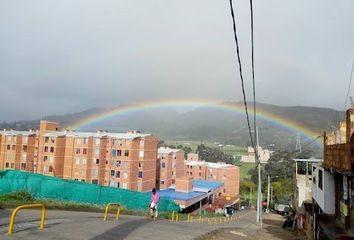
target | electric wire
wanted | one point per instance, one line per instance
(253, 83)
(241, 76)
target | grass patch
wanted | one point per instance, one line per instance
(244, 169)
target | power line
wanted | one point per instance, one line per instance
(240, 72)
(253, 79)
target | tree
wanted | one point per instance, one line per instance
(213, 154)
(280, 167)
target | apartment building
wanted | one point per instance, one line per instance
(124, 160)
(170, 165)
(228, 174)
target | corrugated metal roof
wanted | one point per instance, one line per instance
(200, 188)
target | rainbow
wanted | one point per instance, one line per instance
(272, 118)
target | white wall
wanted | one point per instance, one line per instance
(324, 197)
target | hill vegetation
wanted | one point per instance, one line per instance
(206, 124)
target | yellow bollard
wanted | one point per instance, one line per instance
(107, 208)
(173, 216)
(14, 212)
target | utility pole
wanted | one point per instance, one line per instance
(268, 194)
(298, 143)
(259, 199)
(250, 196)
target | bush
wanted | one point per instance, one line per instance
(18, 197)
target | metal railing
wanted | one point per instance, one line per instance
(14, 212)
(107, 208)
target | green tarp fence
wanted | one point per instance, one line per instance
(52, 188)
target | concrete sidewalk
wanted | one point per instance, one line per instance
(84, 225)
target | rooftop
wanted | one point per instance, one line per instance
(167, 150)
(209, 164)
(13, 132)
(200, 188)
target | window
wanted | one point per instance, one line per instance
(51, 149)
(78, 140)
(25, 140)
(51, 158)
(84, 161)
(85, 141)
(24, 148)
(82, 180)
(97, 152)
(118, 163)
(97, 141)
(126, 153)
(119, 153)
(82, 171)
(45, 148)
(142, 142)
(162, 182)
(125, 165)
(46, 139)
(320, 179)
(94, 181)
(118, 174)
(52, 139)
(125, 186)
(117, 184)
(200, 168)
(94, 172)
(13, 147)
(140, 164)
(200, 174)
(23, 166)
(114, 152)
(76, 179)
(45, 158)
(77, 150)
(125, 175)
(50, 169)
(163, 165)
(7, 165)
(77, 161)
(141, 153)
(84, 151)
(8, 147)
(140, 174)
(24, 156)
(112, 173)
(97, 161)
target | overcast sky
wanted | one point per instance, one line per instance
(70, 55)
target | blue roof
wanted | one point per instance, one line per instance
(173, 194)
(206, 184)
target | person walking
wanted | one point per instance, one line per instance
(154, 202)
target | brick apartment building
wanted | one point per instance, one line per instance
(169, 166)
(228, 174)
(125, 160)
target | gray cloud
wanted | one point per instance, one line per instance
(65, 56)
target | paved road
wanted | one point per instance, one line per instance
(83, 225)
